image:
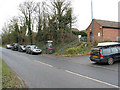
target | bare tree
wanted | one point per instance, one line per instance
(59, 9)
(28, 9)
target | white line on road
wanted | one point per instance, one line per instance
(43, 63)
(92, 79)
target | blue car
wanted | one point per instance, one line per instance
(106, 53)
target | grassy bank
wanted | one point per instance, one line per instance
(9, 78)
(79, 49)
(70, 49)
(56, 47)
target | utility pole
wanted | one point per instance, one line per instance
(92, 18)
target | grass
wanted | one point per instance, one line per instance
(76, 49)
(79, 49)
(0, 74)
(2, 45)
(9, 78)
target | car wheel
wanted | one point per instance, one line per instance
(18, 50)
(26, 52)
(31, 52)
(40, 52)
(110, 61)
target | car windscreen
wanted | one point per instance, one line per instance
(23, 46)
(27, 47)
(16, 44)
(34, 47)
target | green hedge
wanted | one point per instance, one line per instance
(82, 33)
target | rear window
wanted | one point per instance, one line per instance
(95, 51)
(27, 46)
(106, 51)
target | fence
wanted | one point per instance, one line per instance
(82, 39)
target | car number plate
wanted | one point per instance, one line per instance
(95, 56)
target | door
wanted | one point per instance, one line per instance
(90, 36)
(118, 52)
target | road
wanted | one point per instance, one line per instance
(49, 71)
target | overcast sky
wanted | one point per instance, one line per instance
(102, 9)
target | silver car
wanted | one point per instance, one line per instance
(8, 46)
(33, 49)
(22, 48)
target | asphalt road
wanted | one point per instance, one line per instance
(49, 71)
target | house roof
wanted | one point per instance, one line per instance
(108, 24)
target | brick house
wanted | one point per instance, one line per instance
(103, 31)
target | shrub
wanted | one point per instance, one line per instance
(83, 48)
(82, 33)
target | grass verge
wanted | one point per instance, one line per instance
(0, 74)
(9, 78)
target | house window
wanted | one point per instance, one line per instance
(98, 34)
(118, 38)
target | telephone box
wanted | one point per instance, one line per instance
(49, 47)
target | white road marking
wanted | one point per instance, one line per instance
(43, 63)
(92, 79)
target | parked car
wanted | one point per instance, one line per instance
(15, 46)
(8, 46)
(33, 49)
(27, 47)
(106, 53)
(22, 48)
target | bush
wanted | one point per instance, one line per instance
(82, 33)
(80, 48)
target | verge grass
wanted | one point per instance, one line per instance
(0, 74)
(9, 78)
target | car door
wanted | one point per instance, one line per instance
(118, 52)
(115, 53)
(27, 49)
(30, 49)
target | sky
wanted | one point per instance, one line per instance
(102, 9)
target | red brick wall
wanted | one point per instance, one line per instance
(110, 34)
(96, 29)
(106, 34)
